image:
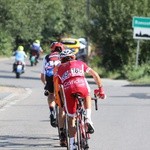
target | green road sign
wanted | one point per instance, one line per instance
(142, 22)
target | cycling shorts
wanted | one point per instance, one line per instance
(49, 84)
(77, 85)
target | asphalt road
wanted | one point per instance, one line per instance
(122, 121)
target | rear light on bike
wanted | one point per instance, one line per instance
(19, 63)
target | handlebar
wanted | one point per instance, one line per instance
(95, 99)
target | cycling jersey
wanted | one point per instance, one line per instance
(71, 76)
(49, 62)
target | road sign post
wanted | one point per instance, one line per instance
(137, 53)
(141, 28)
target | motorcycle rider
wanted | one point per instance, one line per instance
(36, 49)
(20, 55)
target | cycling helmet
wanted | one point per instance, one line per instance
(37, 41)
(67, 55)
(57, 47)
(20, 48)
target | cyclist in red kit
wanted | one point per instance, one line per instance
(71, 74)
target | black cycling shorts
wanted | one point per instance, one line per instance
(49, 84)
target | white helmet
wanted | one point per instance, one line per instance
(67, 55)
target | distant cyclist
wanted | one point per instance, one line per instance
(71, 76)
(20, 55)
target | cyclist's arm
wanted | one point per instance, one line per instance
(43, 72)
(43, 78)
(95, 76)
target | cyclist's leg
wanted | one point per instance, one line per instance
(61, 114)
(59, 102)
(51, 103)
(87, 105)
(70, 107)
(61, 117)
(72, 131)
(61, 127)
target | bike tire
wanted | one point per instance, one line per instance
(67, 132)
(86, 136)
(78, 137)
(82, 135)
(31, 63)
(17, 75)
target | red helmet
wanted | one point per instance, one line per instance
(57, 47)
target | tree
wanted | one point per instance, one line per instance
(111, 30)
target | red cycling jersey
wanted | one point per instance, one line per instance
(71, 76)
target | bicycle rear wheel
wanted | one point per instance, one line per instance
(85, 135)
(82, 136)
(78, 137)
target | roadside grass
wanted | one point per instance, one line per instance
(135, 77)
(144, 80)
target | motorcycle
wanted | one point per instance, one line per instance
(18, 68)
(33, 58)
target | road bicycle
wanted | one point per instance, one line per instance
(82, 134)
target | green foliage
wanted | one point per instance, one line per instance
(5, 44)
(111, 29)
(144, 80)
(26, 21)
(95, 61)
(133, 73)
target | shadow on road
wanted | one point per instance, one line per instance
(22, 77)
(25, 142)
(137, 85)
(136, 95)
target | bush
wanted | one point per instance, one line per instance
(129, 72)
(132, 73)
(95, 61)
(95, 64)
(5, 44)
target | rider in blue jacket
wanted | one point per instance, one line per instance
(20, 55)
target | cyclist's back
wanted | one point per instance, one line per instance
(72, 77)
